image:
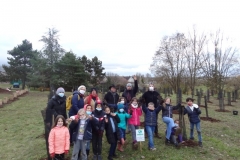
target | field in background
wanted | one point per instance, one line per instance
(22, 131)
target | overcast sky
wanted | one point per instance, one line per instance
(123, 34)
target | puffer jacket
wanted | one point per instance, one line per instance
(168, 109)
(136, 113)
(193, 116)
(151, 115)
(59, 140)
(123, 116)
(56, 106)
(76, 104)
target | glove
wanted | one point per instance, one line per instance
(52, 155)
(195, 106)
(66, 151)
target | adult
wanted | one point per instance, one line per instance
(77, 103)
(152, 96)
(92, 98)
(56, 106)
(130, 91)
(111, 98)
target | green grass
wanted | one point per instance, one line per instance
(21, 138)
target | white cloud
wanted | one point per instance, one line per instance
(124, 35)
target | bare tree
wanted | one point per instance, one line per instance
(168, 61)
(221, 61)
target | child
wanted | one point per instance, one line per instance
(112, 132)
(134, 121)
(88, 108)
(177, 131)
(150, 122)
(167, 110)
(59, 139)
(124, 102)
(82, 134)
(193, 112)
(98, 130)
(123, 116)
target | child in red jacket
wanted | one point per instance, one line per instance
(134, 122)
(59, 139)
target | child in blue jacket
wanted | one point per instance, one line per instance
(150, 122)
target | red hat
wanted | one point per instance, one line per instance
(85, 106)
(98, 101)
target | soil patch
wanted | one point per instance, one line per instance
(175, 112)
(5, 91)
(220, 110)
(209, 119)
(190, 143)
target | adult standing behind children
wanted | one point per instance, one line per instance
(77, 103)
(152, 96)
(92, 98)
(56, 106)
(111, 98)
(130, 91)
(193, 112)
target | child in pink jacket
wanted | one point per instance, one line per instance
(134, 122)
(59, 139)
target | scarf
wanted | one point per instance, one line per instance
(90, 97)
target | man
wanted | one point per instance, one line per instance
(111, 98)
(152, 96)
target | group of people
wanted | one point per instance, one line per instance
(90, 117)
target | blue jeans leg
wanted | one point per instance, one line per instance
(191, 129)
(198, 126)
(150, 131)
(170, 124)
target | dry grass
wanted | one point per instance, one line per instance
(21, 127)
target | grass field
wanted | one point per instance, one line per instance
(21, 138)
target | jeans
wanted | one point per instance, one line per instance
(170, 124)
(122, 133)
(150, 131)
(198, 126)
(133, 130)
(113, 146)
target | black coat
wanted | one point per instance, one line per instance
(129, 94)
(56, 106)
(109, 129)
(100, 116)
(152, 96)
(111, 100)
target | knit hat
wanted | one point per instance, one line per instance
(59, 90)
(129, 85)
(93, 89)
(82, 86)
(120, 105)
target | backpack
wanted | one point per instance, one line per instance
(69, 102)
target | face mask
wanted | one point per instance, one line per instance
(134, 106)
(151, 88)
(99, 109)
(82, 91)
(88, 112)
(61, 94)
(121, 110)
(122, 102)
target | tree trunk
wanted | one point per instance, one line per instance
(206, 107)
(229, 98)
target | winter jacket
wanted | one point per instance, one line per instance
(89, 124)
(151, 96)
(193, 116)
(151, 115)
(56, 106)
(129, 94)
(111, 100)
(59, 140)
(100, 117)
(135, 118)
(76, 104)
(123, 116)
(168, 109)
(109, 129)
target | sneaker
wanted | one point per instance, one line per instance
(200, 144)
(153, 149)
(110, 158)
(177, 145)
(192, 138)
(167, 142)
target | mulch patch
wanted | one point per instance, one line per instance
(190, 143)
(209, 119)
(220, 110)
(175, 112)
(5, 91)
